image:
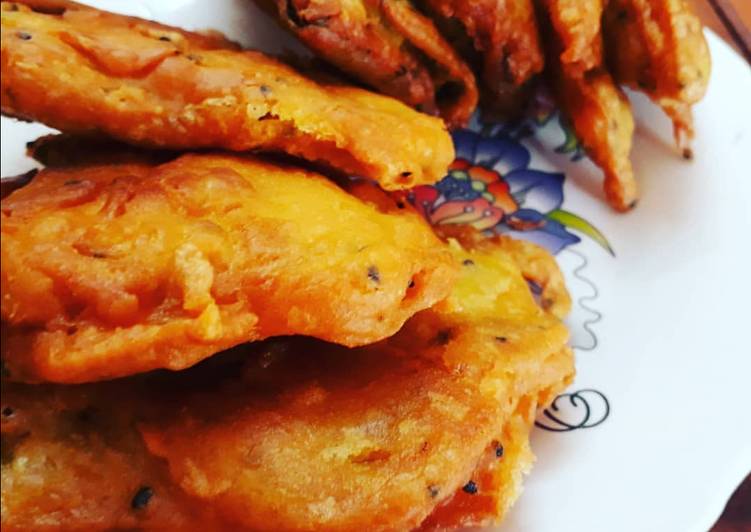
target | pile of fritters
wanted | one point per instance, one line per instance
(195, 338)
(587, 49)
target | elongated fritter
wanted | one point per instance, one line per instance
(117, 269)
(81, 70)
(597, 108)
(296, 434)
(389, 46)
(498, 37)
(658, 47)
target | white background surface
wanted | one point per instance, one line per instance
(674, 357)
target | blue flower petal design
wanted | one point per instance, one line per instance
(501, 155)
(453, 189)
(552, 236)
(537, 190)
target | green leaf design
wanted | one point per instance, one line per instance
(577, 223)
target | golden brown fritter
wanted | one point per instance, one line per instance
(658, 47)
(297, 434)
(387, 45)
(597, 109)
(72, 459)
(87, 71)
(500, 38)
(497, 479)
(116, 269)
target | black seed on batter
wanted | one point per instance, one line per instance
(165, 38)
(470, 487)
(433, 490)
(23, 36)
(501, 339)
(400, 204)
(499, 450)
(141, 498)
(443, 337)
(374, 275)
(265, 90)
(411, 283)
(468, 262)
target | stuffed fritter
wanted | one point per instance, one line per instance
(499, 38)
(117, 269)
(387, 45)
(297, 434)
(81, 70)
(657, 46)
(596, 107)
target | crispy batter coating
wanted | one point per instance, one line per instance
(116, 269)
(72, 460)
(658, 47)
(297, 434)
(501, 41)
(86, 71)
(387, 45)
(497, 478)
(597, 108)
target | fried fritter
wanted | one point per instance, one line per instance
(116, 269)
(596, 107)
(500, 38)
(72, 459)
(81, 70)
(658, 47)
(497, 480)
(296, 434)
(387, 45)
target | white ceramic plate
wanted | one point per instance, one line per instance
(655, 433)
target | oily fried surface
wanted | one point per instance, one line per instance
(72, 459)
(658, 47)
(375, 438)
(597, 108)
(296, 434)
(389, 46)
(87, 71)
(497, 478)
(502, 42)
(116, 269)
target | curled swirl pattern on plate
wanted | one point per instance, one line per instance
(582, 409)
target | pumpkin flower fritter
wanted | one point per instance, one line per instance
(298, 434)
(589, 97)
(389, 46)
(658, 47)
(81, 70)
(500, 40)
(117, 269)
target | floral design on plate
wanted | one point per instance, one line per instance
(491, 187)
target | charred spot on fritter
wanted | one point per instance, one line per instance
(141, 498)
(443, 337)
(293, 15)
(374, 275)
